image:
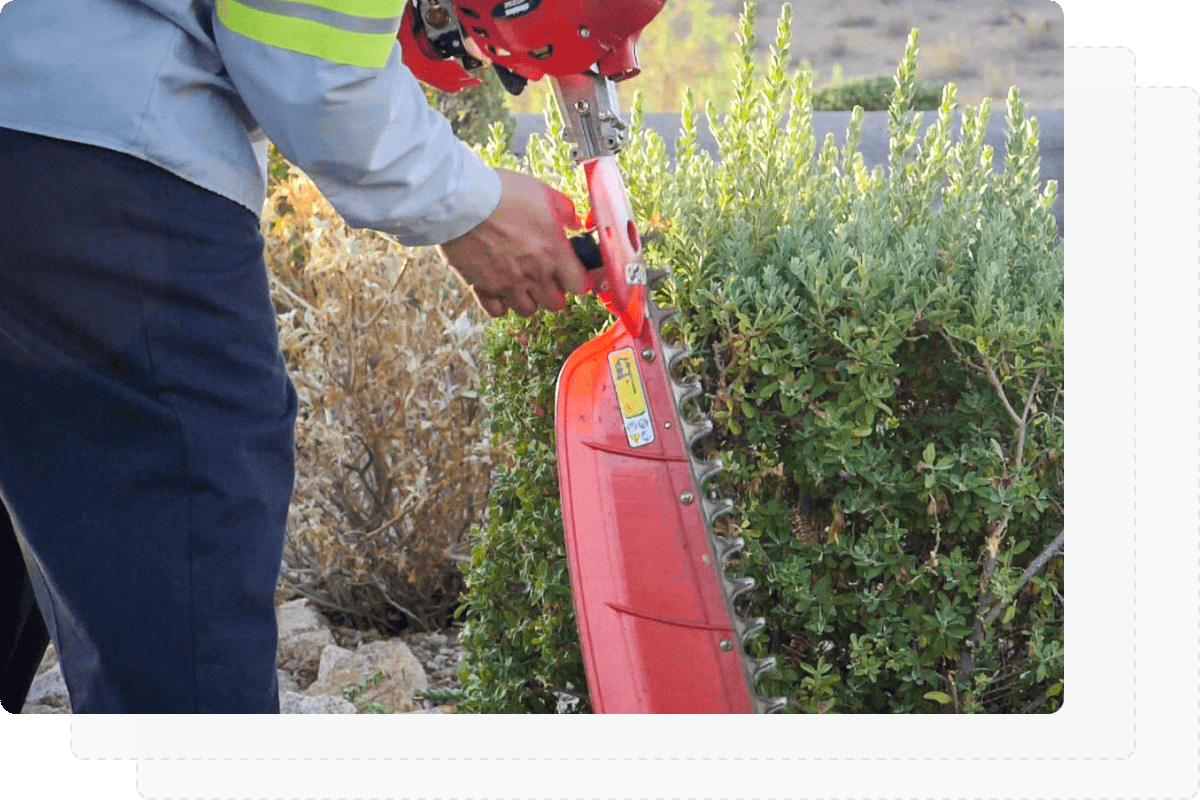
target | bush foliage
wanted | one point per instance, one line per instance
(873, 94)
(886, 384)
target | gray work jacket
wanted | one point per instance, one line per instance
(199, 86)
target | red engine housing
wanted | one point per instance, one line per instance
(559, 37)
(533, 38)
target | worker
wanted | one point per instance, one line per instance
(146, 418)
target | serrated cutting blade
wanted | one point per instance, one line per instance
(655, 610)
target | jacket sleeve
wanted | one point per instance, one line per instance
(324, 80)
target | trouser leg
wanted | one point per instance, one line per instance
(23, 634)
(145, 428)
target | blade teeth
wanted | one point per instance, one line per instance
(661, 315)
(730, 548)
(716, 508)
(727, 548)
(685, 391)
(758, 666)
(694, 430)
(769, 705)
(674, 352)
(738, 587)
(706, 469)
(656, 276)
(749, 628)
(721, 544)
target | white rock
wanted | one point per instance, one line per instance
(49, 690)
(332, 657)
(303, 634)
(286, 684)
(384, 673)
(296, 703)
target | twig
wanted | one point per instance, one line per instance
(966, 661)
(380, 529)
(1021, 420)
(993, 379)
(1034, 567)
(397, 606)
(1035, 705)
(292, 295)
(1023, 425)
(384, 305)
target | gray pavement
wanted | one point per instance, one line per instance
(874, 146)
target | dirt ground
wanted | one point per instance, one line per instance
(984, 46)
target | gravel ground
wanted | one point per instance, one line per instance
(437, 651)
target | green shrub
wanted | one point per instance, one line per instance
(873, 94)
(886, 385)
(473, 111)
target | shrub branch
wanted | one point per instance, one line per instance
(1033, 569)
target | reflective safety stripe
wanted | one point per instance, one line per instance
(380, 9)
(334, 14)
(356, 32)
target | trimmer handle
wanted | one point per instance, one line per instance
(588, 252)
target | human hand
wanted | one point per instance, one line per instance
(519, 257)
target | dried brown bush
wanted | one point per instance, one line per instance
(393, 458)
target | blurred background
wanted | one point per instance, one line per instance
(983, 46)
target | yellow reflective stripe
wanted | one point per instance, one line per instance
(308, 37)
(376, 9)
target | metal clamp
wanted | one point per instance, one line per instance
(591, 114)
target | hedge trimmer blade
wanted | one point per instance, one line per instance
(656, 621)
(657, 626)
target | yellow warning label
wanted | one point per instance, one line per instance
(631, 397)
(628, 383)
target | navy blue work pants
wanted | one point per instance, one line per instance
(146, 436)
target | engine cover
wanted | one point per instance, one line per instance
(559, 37)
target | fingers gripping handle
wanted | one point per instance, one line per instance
(617, 247)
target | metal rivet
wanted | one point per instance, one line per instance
(648, 354)
(666, 424)
(686, 498)
(726, 645)
(584, 32)
(582, 106)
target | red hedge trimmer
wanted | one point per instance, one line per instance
(656, 620)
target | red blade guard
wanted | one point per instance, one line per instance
(656, 626)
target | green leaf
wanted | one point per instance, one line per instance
(939, 697)
(930, 454)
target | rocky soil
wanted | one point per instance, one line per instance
(328, 670)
